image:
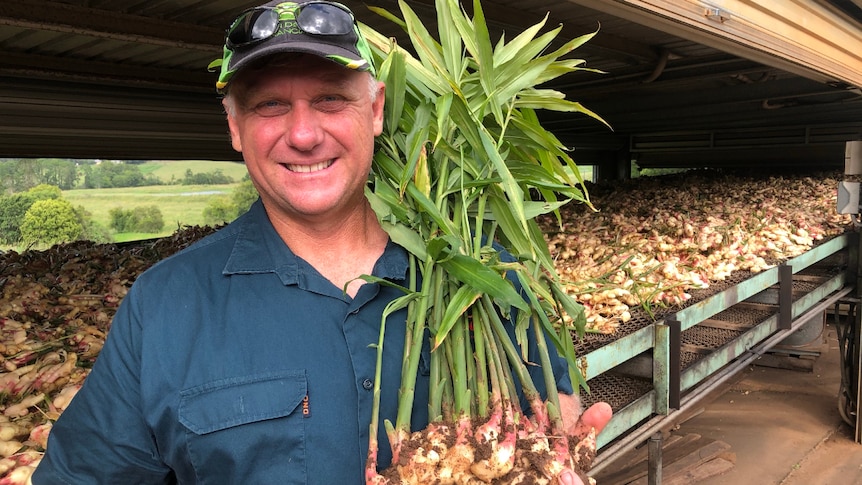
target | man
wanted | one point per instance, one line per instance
(242, 359)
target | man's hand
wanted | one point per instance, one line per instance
(577, 421)
(578, 425)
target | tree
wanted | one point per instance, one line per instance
(216, 177)
(219, 210)
(49, 222)
(148, 219)
(244, 195)
(54, 171)
(45, 191)
(91, 230)
(20, 175)
(223, 209)
(12, 210)
(140, 219)
(116, 174)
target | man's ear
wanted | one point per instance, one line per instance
(235, 139)
(377, 107)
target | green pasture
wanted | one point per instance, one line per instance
(180, 205)
(166, 170)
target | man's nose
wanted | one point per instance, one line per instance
(303, 130)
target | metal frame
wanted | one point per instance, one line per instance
(656, 410)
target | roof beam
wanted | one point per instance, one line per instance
(807, 38)
(61, 17)
(32, 66)
(505, 16)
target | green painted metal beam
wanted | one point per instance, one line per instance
(625, 419)
(721, 357)
(615, 353)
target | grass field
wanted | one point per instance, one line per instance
(176, 170)
(180, 205)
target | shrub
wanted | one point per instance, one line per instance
(218, 211)
(91, 230)
(140, 219)
(244, 196)
(148, 219)
(12, 210)
(49, 222)
(225, 209)
(45, 191)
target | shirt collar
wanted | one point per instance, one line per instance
(259, 249)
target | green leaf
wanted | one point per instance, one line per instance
(450, 41)
(394, 72)
(522, 46)
(409, 239)
(426, 47)
(473, 273)
(458, 304)
(387, 205)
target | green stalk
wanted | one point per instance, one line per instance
(514, 356)
(438, 378)
(458, 365)
(500, 386)
(553, 398)
(408, 376)
(482, 363)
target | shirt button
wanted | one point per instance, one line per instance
(368, 384)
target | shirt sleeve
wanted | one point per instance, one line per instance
(102, 436)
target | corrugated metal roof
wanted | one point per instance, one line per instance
(128, 79)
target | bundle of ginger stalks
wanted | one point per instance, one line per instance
(461, 155)
(655, 239)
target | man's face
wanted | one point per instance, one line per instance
(306, 130)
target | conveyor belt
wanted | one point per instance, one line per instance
(637, 387)
(619, 390)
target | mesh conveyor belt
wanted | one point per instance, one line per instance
(616, 390)
(619, 391)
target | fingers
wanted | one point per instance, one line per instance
(568, 477)
(570, 409)
(596, 416)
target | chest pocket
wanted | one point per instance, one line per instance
(250, 426)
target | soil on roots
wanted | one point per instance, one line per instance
(440, 442)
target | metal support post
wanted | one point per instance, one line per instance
(674, 362)
(785, 296)
(655, 465)
(857, 366)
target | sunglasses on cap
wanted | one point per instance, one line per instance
(316, 18)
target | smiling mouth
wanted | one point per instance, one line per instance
(310, 168)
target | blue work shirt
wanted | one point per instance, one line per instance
(235, 361)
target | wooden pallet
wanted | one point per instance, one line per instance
(686, 459)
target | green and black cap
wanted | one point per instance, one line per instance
(323, 28)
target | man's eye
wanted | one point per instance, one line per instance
(330, 102)
(271, 107)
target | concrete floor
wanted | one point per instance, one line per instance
(783, 426)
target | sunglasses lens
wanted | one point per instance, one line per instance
(324, 19)
(253, 26)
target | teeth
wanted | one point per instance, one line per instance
(309, 168)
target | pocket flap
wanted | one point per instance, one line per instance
(235, 401)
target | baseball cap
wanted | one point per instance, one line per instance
(323, 28)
